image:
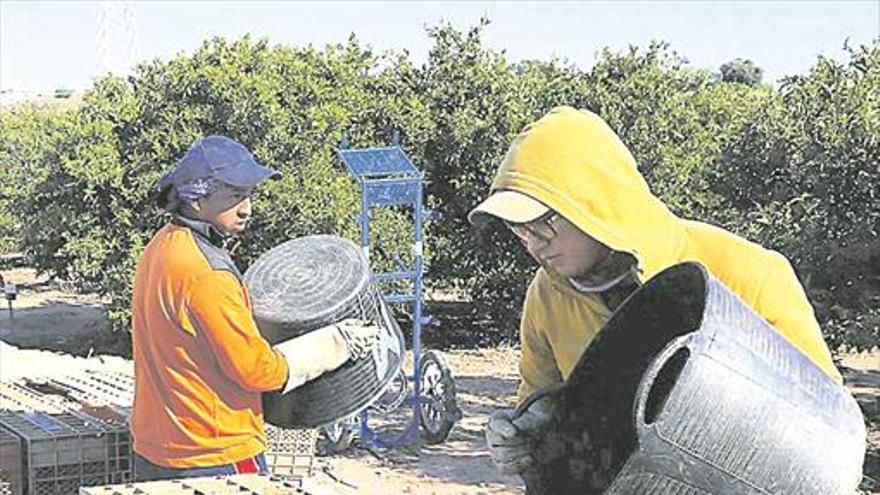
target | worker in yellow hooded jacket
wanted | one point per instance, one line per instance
(571, 191)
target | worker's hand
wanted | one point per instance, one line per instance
(511, 441)
(325, 349)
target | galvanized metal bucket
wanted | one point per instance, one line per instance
(686, 390)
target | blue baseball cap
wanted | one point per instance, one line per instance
(221, 158)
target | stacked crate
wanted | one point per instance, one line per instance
(18, 396)
(97, 387)
(71, 431)
(63, 451)
(10, 464)
(242, 484)
(291, 452)
(98, 394)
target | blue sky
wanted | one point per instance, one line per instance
(46, 45)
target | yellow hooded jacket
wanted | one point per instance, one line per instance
(571, 161)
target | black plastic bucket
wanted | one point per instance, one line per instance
(687, 391)
(308, 283)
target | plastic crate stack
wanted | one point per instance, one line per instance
(61, 452)
(291, 452)
(242, 484)
(10, 464)
(71, 430)
(61, 443)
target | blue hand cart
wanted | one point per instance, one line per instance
(387, 178)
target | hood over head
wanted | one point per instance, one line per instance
(572, 162)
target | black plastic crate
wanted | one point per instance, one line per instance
(11, 482)
(62, 452)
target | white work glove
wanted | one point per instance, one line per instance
(510, 441)
(325, 349)
(359, 336)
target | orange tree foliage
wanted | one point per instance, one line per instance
(794, 168)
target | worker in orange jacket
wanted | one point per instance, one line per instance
(572, 192)
(200, 361)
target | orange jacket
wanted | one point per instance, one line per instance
(200, 361)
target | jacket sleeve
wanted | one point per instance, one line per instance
(219, 311)
(783, 303)
(537, 365)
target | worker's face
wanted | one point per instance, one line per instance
(228, 209)
(570, 252)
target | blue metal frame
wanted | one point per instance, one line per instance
(387, 177)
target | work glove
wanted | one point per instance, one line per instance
(359, 336)
(511, 441)
(325, 349)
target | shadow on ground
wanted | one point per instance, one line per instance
(462, 459)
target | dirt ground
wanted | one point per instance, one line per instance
(484, 380)
(47, 317)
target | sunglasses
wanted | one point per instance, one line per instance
(540, 228)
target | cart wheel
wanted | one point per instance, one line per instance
(438, 411)
(339, 435)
